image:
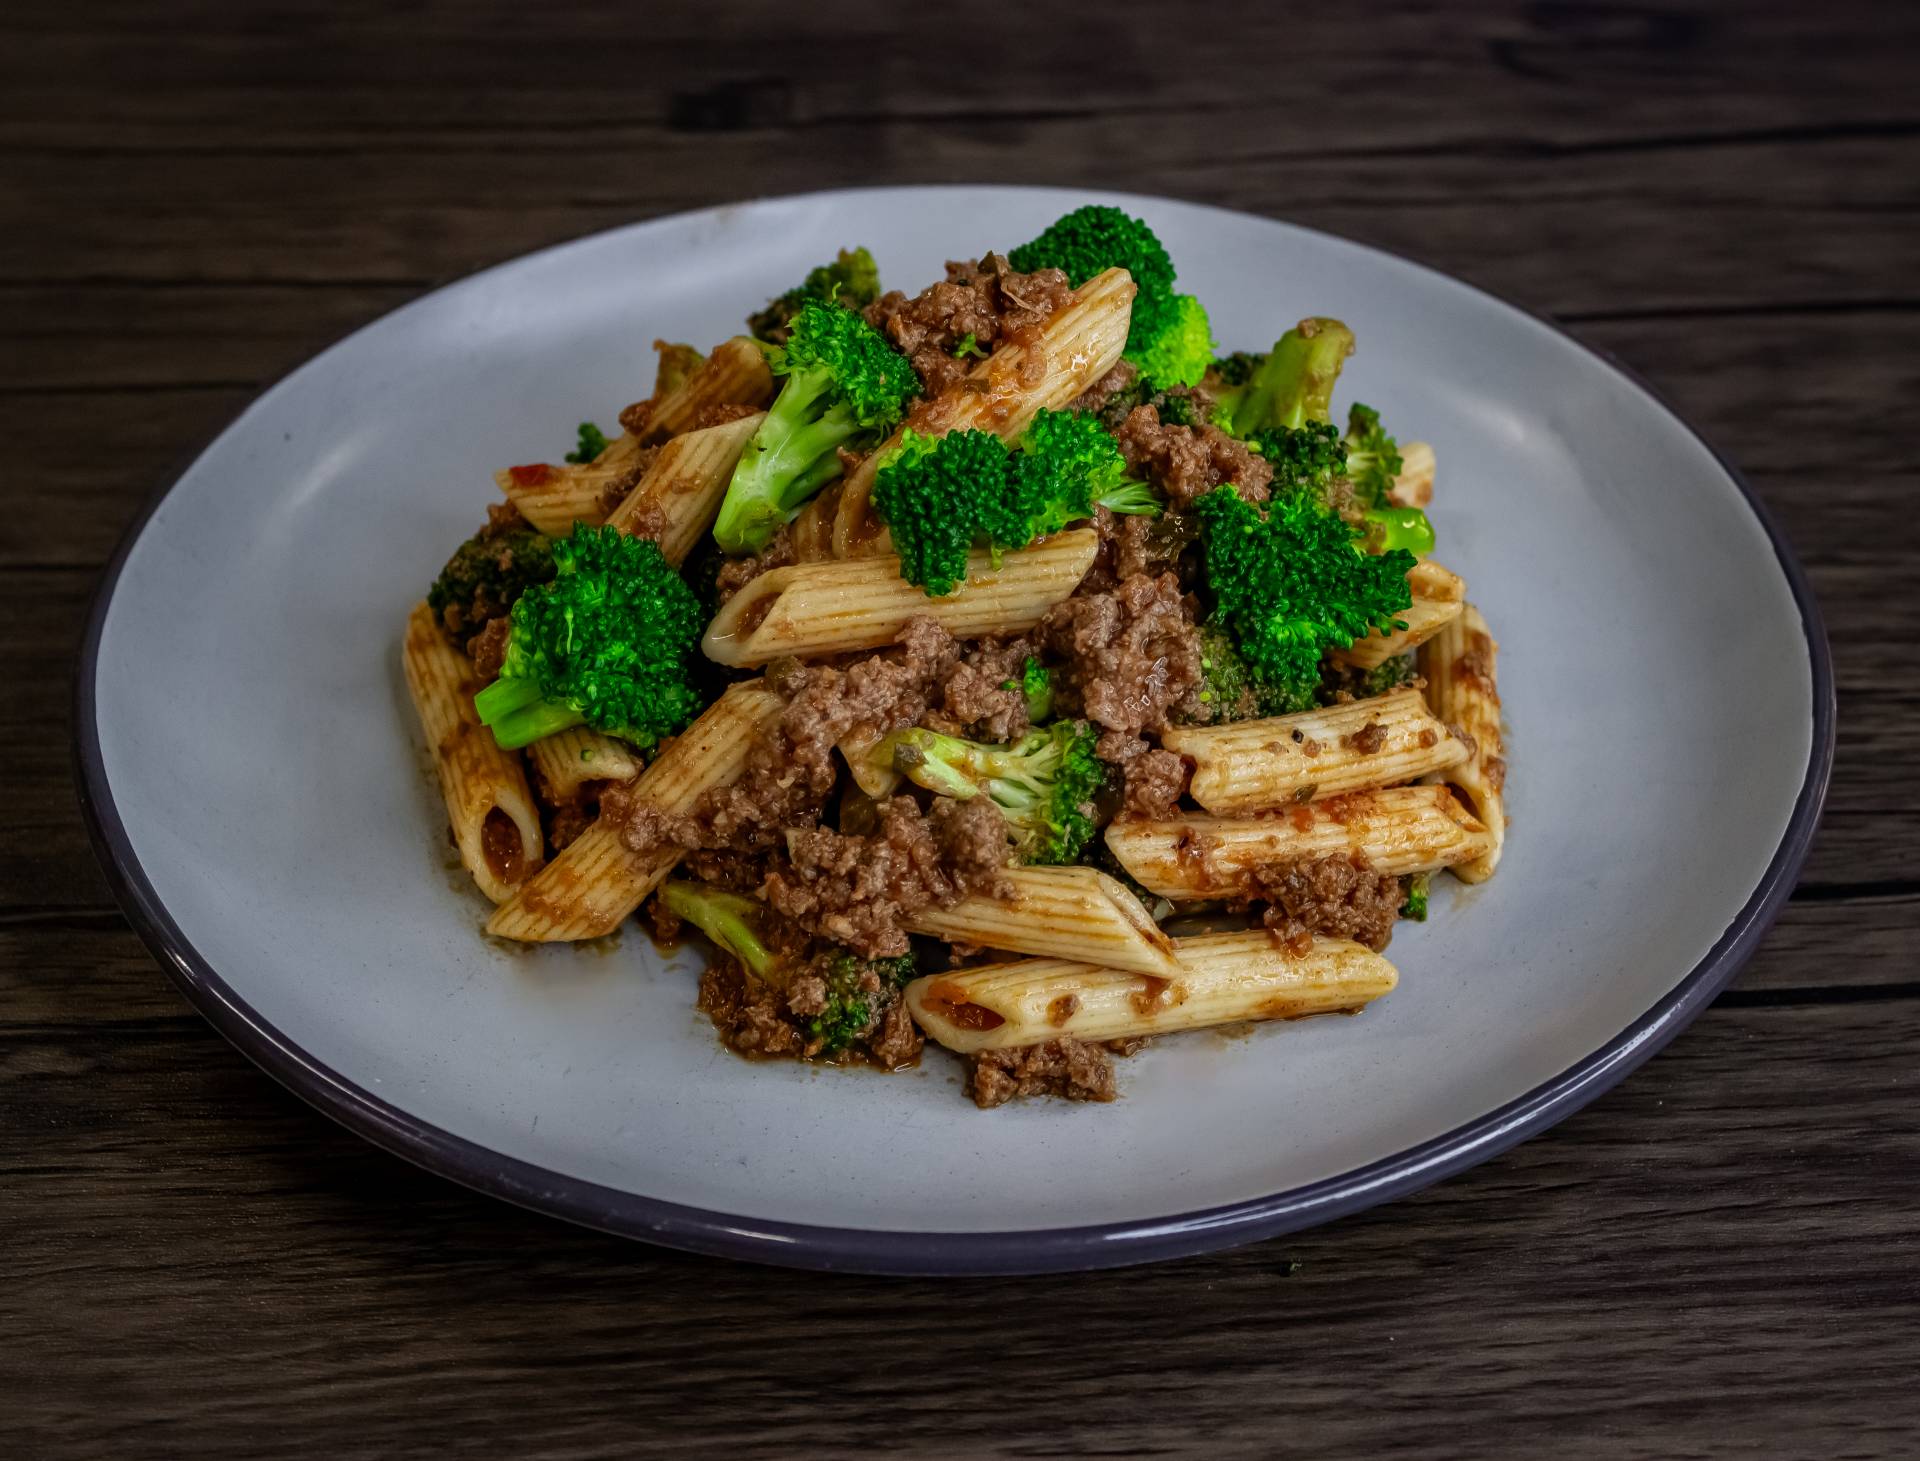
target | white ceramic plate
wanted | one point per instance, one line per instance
(254, 779)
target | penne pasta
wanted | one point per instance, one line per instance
(1461, 665)
(591, 887)
(863, 603)
(735, 374)
(554, 498)
(1398, 830)
(1223, 979)
(1258, 765)
(1413, 487)
(1003, 393)
(489, 805)
(566, 762)
(1059, 912)
(1438, 596)
(677, 499)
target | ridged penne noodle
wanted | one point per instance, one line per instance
(1003, 393)
(735, 374)
(1438, 595)
(571, 759)
(554, 498)
(1059, 912)
(1223, 979)
(1461, 665)
(810, 534)
(489, 805)
(1257, 765)
(1398, 830)
(1413, 487)
(684, 485)
(598, 880)
(863, 603)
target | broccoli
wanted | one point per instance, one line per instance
(1415, 906)
(1311, 458)
(486, 574)
(1169, 336)
(593, 441)
(1372, 457)
(857, 994)
(612, 642)
(1234, 370)
(735, 923)
(1293, 384)
(844, 384)
(939, 496)
(969, 348)
(676, 367)
(1176, 405)
(1043, 783)
(1290, 582)
(1036, 684)
(852, 280)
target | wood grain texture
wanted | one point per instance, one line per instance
(1717, 1259)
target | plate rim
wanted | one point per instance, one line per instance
(891, 1251)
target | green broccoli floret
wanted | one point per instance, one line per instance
(852, 280)
(1294, 383)
(1043, 783)
(1415, 906)
(1175, 405)
(612, 642)
(593, 441)
(857, 994)
(1373, 457)
(733, 921)
(1311, 458)
(1168, 336)
(969, 348)
(1233, 370)
(941, 496)
(486, 574)
(1290, 582)
(844, 384)
(1036, 684)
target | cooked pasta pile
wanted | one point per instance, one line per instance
(999, 664)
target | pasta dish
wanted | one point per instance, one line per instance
(1003, 664)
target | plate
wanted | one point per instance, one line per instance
(257, 790)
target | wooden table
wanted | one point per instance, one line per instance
(1719, 1258)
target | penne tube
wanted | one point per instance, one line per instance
(1438, 596)
(566, 762)
(1003, 393)
(554, 498)
(1413, 487)
(1460, 664)
(1223, 979)
(863, 603)
(489, 805)
(591, 887)
(1258, 765)
(1398, 830)
(810, 534)
(1060, 912)
(735, 374)
(678, 498)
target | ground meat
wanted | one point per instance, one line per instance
(488, 649)
(719, 413)
(1151, 781)
(736, 573)
(746, 1014)
(567, 821)
(1065, 1067)
(1117, 381)
(1134, 544)
(1338, 896)
(896, 1040)
(1130, 655)
(621, 486)
(858, 890)
(974, 698)
(1185, 461)
(986, 299)
(1367, 740)
(650, 521)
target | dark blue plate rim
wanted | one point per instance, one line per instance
(1050, 1250)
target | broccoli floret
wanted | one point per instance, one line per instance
(1067, 463)
(969, 348)
(852, 280)
(1294, 383)
(734, 922)
(1232, 370)
(593, 441)
(1229, 689)
(1373, 457)
(1175, 406)
(1289, 583)
(854, 1003)
(1310, 458)
(612, 642)
(1415, 906)
(486, 574)
(1036, 685)
(1168, 336)
(844, 384)
(1043, 783)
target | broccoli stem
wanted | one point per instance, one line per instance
(1294, 385)
(517, 716)
(728, 919)
(789, 458)
(1399, 527)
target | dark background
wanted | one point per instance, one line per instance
(1719, 1258)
